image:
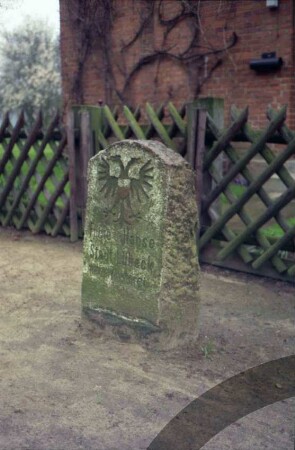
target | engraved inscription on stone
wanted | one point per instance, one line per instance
(133, 255)
(123, 235)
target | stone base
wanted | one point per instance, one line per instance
(135, 331)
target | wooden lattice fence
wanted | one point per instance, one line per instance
(245, 224)
(238, 233)
(34, 176)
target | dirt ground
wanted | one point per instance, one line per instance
(64, 387)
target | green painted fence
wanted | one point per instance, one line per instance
(34, 176)
(246, 224)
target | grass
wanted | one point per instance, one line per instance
(236, 189)
(208, 349)
(275, 231)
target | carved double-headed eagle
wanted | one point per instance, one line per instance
(124, 190)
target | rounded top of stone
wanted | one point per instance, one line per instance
(167, 155)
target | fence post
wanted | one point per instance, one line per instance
(86, 152)
(196, 129)
(85, 121)
(70, 130)
(215, 108)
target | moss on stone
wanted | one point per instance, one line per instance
(140, 255)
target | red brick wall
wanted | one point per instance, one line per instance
(258, 29)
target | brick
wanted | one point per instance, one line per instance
(258, 29)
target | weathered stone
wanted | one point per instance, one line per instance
(140, 257)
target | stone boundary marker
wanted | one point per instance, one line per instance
(140, 270)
